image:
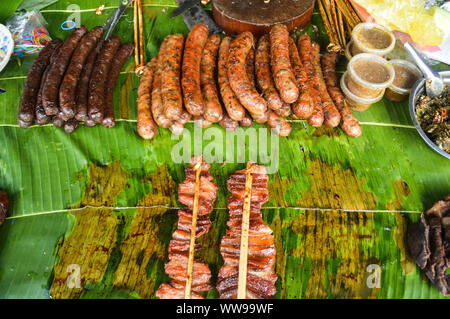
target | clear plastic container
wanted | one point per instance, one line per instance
(406, 74)
(348, 50)
(355, 102)
(368, 75)
(372, 38)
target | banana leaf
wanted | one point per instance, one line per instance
(92, 213)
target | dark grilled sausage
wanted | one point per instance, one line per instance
(146, 126)
(81, 97)
(56, 73)
(263, 72)
(228, 124)
(99, 78)
(232, 105)
(70, 126)
(117, 64)
(213, 109)
(190, 72)
(67, 90)
(303, 107)
(278, 124)
(33, 83)
(349, 124)
(170, 78)
(281, 64)
(332, 118)
(238, 78)
(305, 49)
(250, 66)
(57, 120)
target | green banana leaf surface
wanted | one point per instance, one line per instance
(92, 213)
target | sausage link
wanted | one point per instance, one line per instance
(284, 111)
(81, 97)
(263, 72)
(170, 78)
(332, 118)
(99, 77)
(250, 66)
(178, 126)
(157, 103)
(57, 120)
(247, 121)
(303, 107)
(278, 124)
(281, 64)
(305, 48)
(237, 74)
(228, 124)
(71, 125)
(232, 105)
(213, 109)
(57, 71)
(90, 123)
(190, 72)
(146, 126)
(349, 124)
(67, 90)
(33, 83)
(117, 64)
(260, 118)
(201, 122)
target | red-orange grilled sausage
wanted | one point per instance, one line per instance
(67, 90)
(250, 66)
(247, 121)
(261, 118)
(305, 48)
(263, 72)
(33, 83)
(303, 107)
(201, 122)
(56, 73)
(278, 124)
(117, 64)
(146, 126)
(178, 126)
(190, 72)
(332, 118)
(170, 77)
(284, 111)
(237, 75)
(228, 124)
(232, 105)
(81, 97)
(349, 124)
(213, 109)
(99, 78)
(281, 64)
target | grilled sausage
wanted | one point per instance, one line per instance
(117, 64)
(81, 97)
(201, 122)
(260, 118)
(178, 126)
(247, 121)
(157, 104)
(57, 120)
(303, 107)
(70, 126)
(90, 123)
(238, 78)
(250, 66)
(332, 118)
(305, 48)
(190, 72)
(56, 73)
(349, 124)
(232, 105)
(284, 111)
(146, 126)
(228, 124)
(170, 77)
(33, 84)
(263, 72)
(213, 109)
(281, 64)
(67, 90)
(278, 124)
(99, 78)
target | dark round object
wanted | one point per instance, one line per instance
(257, 16)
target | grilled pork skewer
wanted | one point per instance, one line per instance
(260, 276)
(180, 248)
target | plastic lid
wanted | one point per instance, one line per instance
(412, 68)
(360, 100)
(368, 49)
(370, 57)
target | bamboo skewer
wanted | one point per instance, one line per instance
(197, 169)
(138, 26)
(243, 254)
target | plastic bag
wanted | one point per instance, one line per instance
(28, 32)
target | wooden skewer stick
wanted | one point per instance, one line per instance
(243, 254)
(197, 169)
(141, 40)
(138, 37)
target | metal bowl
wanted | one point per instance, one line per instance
(417, 90)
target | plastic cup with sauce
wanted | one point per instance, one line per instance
(406, 74)
(355, 102)
(372, 38)
(369, 75)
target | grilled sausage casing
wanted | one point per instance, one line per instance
(146, 126)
